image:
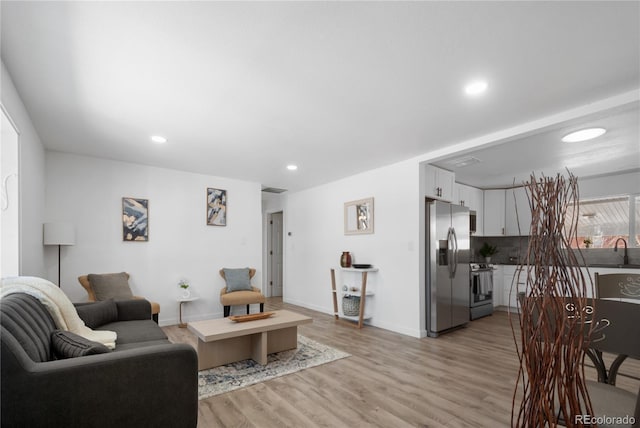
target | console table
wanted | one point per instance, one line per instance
(362, 293)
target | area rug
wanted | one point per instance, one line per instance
(230, 377)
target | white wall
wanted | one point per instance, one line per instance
(315, 219)
(609, 185)
(10, 210)
(88, 193)
(32, 180)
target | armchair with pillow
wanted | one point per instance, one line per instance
(238, 290)
(115, 286)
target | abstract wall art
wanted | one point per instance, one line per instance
(216, 207)
(135, 219)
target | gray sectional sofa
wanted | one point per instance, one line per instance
(145, 381)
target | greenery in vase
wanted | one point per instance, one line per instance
(183, 284)
(488, 250)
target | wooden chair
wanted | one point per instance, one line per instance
(86, 284)
(243, 297)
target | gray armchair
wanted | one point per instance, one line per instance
(146, 381)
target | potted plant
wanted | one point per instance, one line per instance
(184, 284)
(487, 251)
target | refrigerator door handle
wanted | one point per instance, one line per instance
(450, 251)
(455, 253)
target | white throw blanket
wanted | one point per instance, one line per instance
(62, 311)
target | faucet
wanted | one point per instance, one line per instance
(625, 259)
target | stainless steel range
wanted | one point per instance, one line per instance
(480, 290)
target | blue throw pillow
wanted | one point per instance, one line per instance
(237, 279)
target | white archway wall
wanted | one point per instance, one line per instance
(10, 200)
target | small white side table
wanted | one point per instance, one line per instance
(182, 300)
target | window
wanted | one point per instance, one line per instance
(603, 221)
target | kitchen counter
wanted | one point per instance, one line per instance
(592, 265)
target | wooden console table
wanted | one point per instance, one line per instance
(362, 294)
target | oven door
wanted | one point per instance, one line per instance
(481, 287)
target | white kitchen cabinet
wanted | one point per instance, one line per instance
(498, 285)
(473, 198)
(515, 281)
(517, 211)
(439, 183)
(494, 203)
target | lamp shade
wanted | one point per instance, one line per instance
(59, 234)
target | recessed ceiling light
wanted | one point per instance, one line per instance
(292, 167)
(476, 88)
(583, 135)
(158, 139)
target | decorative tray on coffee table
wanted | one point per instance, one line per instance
(251, 317)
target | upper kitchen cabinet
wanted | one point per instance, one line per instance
(504, 209)
(494, 211)
(473, 198)
(517, 211)
(439, 183)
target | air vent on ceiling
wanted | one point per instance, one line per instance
(462, 162)
(273, 190)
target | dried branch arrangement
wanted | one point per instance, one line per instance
(551, 344)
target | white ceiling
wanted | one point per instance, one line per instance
(543, 152)
(241, 89)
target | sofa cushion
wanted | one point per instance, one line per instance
(97, 314)
(69, 345)
(135, 331)
(25, 319)
(237, 279)
(111, 286)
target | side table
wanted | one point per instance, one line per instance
(181, 301)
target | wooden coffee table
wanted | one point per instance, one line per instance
(222, 341)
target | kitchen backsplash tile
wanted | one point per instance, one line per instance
(513, 250)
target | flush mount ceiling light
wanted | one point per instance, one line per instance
(158, 139)
(475, 88)
(583, 135)
(292, 167)
(465, 161)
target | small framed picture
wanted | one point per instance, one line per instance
(216, 207)
(135, 219)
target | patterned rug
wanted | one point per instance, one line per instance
(230, 377)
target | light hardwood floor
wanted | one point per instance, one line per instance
(463, 379)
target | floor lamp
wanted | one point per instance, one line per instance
(59, 234)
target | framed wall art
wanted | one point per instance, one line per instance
(216, 207)
(358, 217)
(135, 219)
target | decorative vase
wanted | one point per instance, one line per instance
(186, 293)
(345, 259)
(487, 259)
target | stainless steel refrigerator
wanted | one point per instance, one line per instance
(447, 266)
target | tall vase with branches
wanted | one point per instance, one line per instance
(551, 341)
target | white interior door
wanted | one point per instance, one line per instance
(275, 254)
